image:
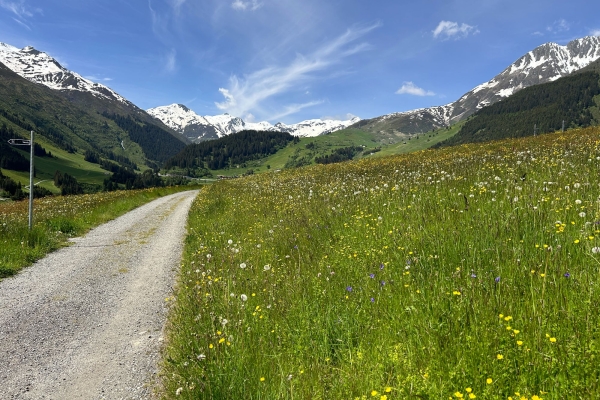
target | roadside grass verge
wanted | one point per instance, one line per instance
(465, 272)
(56, 219)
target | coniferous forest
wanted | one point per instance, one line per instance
(230, 150)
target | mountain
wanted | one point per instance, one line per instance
(75, 121)
(546, 63)
(40, 68)
(197, 128)
(573, 100)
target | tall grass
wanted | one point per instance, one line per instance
(56, 219)
(468, 272)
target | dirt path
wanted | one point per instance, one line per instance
(86, 321)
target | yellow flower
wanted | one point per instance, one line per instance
(472, 395)
(387, 389)
(553, 339)
(456, 293)
(499, 356)
(262, 378)
(383, 397)
(468, 390)
(489, 381)
(374, 393)
(536, 397)
(516, 331)
(519, 343)
(458, 395)
(508, 318)
(210, 346)
(221, 340)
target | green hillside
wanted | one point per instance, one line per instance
(71, 125)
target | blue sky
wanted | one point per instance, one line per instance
(291, 60)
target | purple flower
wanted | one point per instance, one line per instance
(497, 279)
(349, 288)
(372, 300)
(473, 276)
(372, 276)
(381, 266)
(382, 283)
(567, 275)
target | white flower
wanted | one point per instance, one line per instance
(224, 322)
(201, 357)
(576, 185)
(243, 297)
(208, 256)
(178, 391)
(595, 250)
(243, 265)
(230, 241)
(578, 202)
(267, 267)
(582, 214)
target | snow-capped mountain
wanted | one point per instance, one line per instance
(546, 63)
(39, 67)
(198, 128)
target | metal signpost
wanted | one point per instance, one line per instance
(25, 142)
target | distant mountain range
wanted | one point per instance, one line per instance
(546, 63)
(197, 128)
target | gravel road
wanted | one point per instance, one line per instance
(86, 322)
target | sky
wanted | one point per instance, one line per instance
(292, 60)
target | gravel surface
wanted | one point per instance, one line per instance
(86, 322)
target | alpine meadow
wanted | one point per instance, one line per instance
(464, 272)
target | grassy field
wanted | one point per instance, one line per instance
(56, 219)
(309, 148)
(467, 272)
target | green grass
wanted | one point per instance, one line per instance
(325, 144)
(438, 274)
(56, 219)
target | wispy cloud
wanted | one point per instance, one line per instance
(171, 61)
(176, 5)
(412, 89)
(16, 7)
(21, 23)
(94, 78)
(559, 26)
(249, 93)
(595, 32)
(246, 5)
(452, 30)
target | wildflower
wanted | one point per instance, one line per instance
(499, 356)
(472, 395)
(456, 293)
(243, 265)
(372, 300)
(382, 283)
(552, 340)
(489, 381)
(262, 378)
(374, 393)
(381, 266)
(372, 276)
(243, 297)
(458, 395)
(567, 275)
(178, 391)
(519, 343)
(267, 267)
(595, 250)
(230, 241)
(349, 288)
(201, 357)
(387, 389)
(473, 276)
(582, 214)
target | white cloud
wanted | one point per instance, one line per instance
(595, 32)
(412, 89)
(246, 5)
(97, 79)
(249, 93)
(345, 117)
(449, 29)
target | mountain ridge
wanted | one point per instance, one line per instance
(547, 62)
(199, 128)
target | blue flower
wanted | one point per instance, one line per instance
(372, 300)
(349, 288)
(497, 279)
(372, 276)
(381, 266)
(567, 275)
